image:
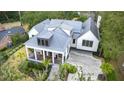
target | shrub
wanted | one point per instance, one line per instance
(63, 72)
(3, 49)
(24, 67)
(72, 69)
(82, 18)
(9, 73)
(40, 75)
(3, 57)
(17, 38)
(65, 69)
(109, 71)
(35, 70)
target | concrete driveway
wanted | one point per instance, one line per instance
(90, 65)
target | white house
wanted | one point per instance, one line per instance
(52, 39)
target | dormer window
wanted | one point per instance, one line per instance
(43, 42)
(44, 39)
(46, 42)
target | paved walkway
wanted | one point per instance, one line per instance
(90, 65)
(54, 73)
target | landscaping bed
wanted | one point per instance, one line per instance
(37, 71)
(65, 69)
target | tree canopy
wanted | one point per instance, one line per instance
(32, 18)
(8, 16)
(112, 34)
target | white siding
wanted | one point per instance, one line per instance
(32, 32)
(88, 36)
(67, 51)
(73, 45)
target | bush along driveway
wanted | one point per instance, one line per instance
(60, 72)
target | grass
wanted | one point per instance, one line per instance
(5, 53)
(11, 67)
(17, 68)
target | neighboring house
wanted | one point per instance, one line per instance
(5, 35)
(52, 39)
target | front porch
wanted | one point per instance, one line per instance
(38, 55)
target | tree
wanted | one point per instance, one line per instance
(17, 38)
(109, 71)
(32, 18)
(112, 34)
(8, 16)
(46, 63)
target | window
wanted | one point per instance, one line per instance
(87, 43)
(42, 42)
(83, 43)
(73, 41)
(38, 40)
(91, 43)
(46, 42)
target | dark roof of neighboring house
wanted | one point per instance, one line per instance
(89, 25)
(11, 31)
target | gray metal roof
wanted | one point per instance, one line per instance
(11, 31)
(67, 27)
(75, 35)
(39, 27)
(89, 25)
(59, 41)
(46, 35)
(77, 25)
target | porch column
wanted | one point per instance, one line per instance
(53, 57)
(27, 52)
(47, 53)
(62, 58)
(43, 55)
(35, 54)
